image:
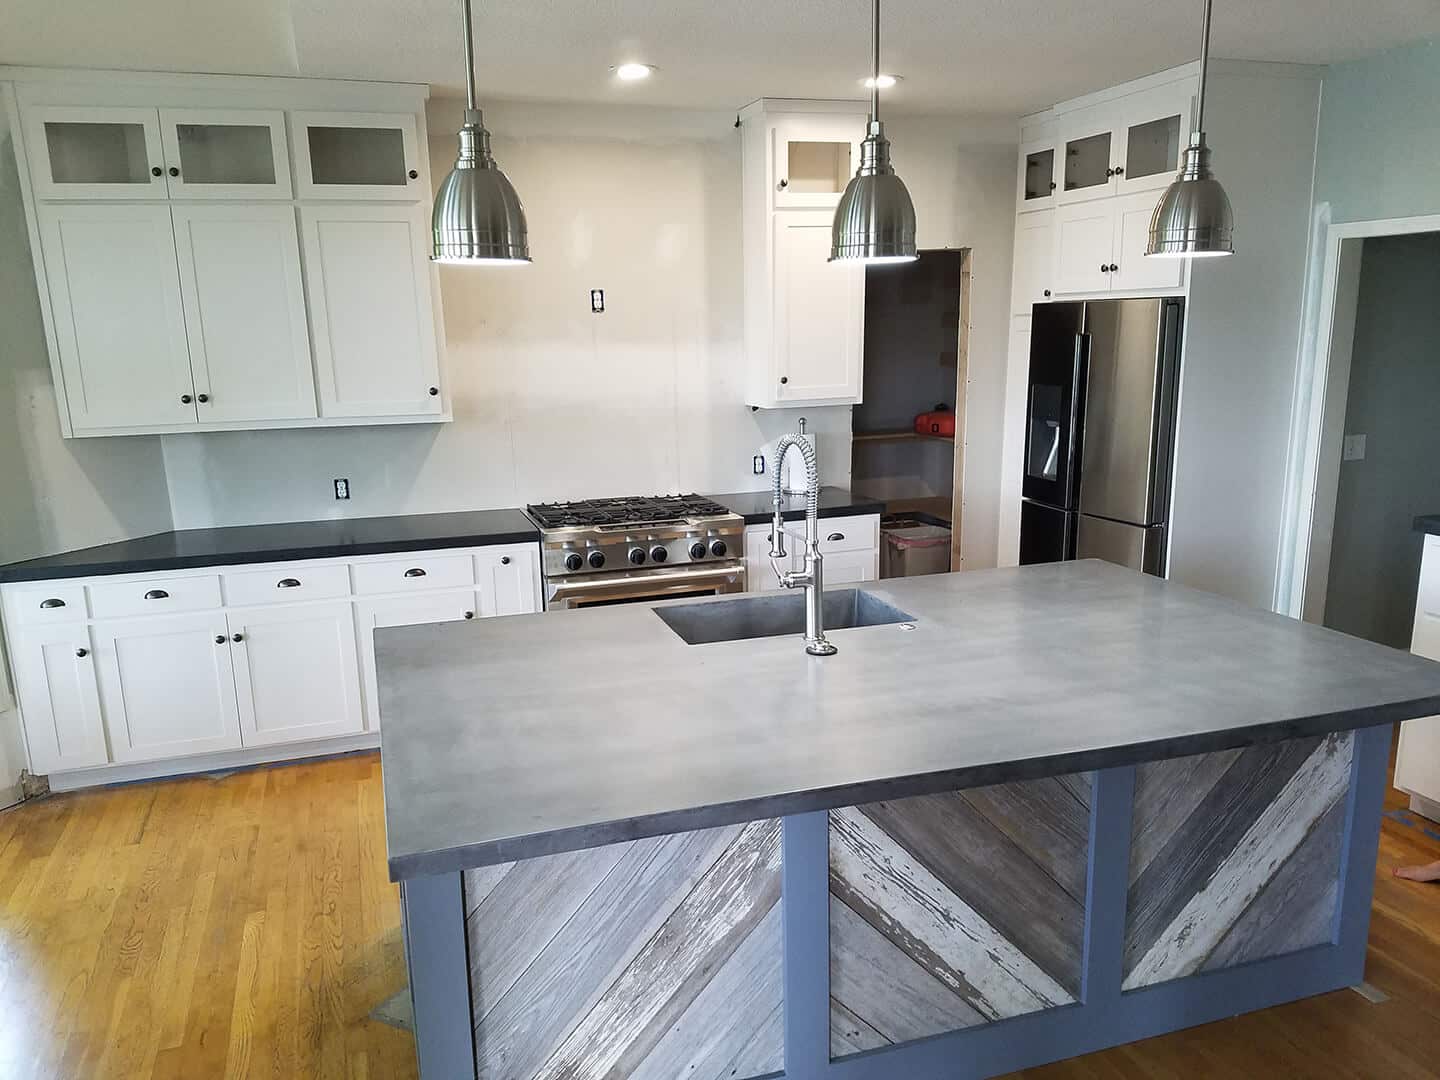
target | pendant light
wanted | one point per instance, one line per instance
(875, 220)
(478, 219)
(1194, 219)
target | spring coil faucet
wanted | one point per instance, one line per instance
(811, 578)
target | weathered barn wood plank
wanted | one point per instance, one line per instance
(730, 1029)
(977, 862)
(880, 985)
(1167, 793)
(480, 882)
(1297, 908)
(1046, 822)
(672, 967)
(580, 963)
(1079, 785)
(1273, 837)
(849, 1034)
(900, 897)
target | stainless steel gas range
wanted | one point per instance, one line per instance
(620, 551)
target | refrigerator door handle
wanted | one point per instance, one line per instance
(1080, 373)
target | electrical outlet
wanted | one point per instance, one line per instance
(758, 465)
(342, 488)
(597, 301)
(1354, 448)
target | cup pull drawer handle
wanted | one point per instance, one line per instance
(835, 536)
(53, 602)
(415, 571)
(288, 583)
(157, 594)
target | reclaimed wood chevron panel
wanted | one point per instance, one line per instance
(1234, 857)
(948, 911)
(654, 958)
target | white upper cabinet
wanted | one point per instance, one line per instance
(244, 312)
(225, 154)
(1155, 129)
(367, 275)
(1087, 149)
(83, 152)
(1134, 271)
(357, 156)
(804, 316)
(1034, 261)
(118, 316)
(1084, 241)
(1038, 183)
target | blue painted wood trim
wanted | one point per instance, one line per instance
(805, 884)
(1369, 777)
(433, 915)
(1112, 801)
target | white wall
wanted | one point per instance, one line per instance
(552, 402)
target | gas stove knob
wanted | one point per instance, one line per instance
(658, 554)
(637, 555)
(573, 561)
(697, 550)
(718, 548)
(597, 559)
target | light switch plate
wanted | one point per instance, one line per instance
(1354, 448)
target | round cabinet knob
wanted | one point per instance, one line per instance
(783, 380)
(469, 614)
(202, 398)
(155, 170)
(1052, 185)
(185, 399)
(82, 653)
(1119, 170)
(1114, 267)
(1104, 268)
(718, 548)
(174, 171)
(504, 560)
(697, 550)
(573, 561)
(658, 554)
(434, 391)
(637, 556)
(413, 174)
(1109, 172)
(1047, 292)
(597, 559)
(237, 638)
(783, 184)
(219, 639)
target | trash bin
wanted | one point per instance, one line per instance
(911, 548)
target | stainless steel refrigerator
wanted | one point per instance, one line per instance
(1100, 431)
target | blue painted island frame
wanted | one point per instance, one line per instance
(433, 910)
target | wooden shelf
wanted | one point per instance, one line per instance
(937, 506)
(898, 436)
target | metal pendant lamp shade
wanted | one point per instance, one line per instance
(875, 219)
(478, 219)
(1193, 219)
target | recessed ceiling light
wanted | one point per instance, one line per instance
(633, 72)
(885, 82)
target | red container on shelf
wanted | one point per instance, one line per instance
(939, 422)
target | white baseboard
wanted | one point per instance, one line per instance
(203, 763)
(1424, 807)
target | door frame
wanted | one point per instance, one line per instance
(1322, 389)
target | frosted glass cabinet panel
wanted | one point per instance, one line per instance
(225, 154)
(1156, 129)
(356, 156)
(95, 153)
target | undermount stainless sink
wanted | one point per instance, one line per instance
(775, 616)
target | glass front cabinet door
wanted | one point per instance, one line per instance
(225, 154)
(1037, 176)
(1155, 129)
(356, 156)
(814, 159)
(83, 152)
(1087, 170)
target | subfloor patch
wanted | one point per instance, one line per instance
(397, 1011)
(1371, 993)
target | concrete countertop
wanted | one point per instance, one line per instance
(515, 737)
(283, 542)
(757, 508)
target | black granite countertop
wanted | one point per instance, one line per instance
(1428, 523)
(240, 544)
(756, 507)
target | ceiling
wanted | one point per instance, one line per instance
(997, 57)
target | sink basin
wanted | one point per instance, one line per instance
(775, 616)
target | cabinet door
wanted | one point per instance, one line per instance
(357, 156)
(167, 687)
(819, 315)
(296, 672)
(814, 158)
(367, 277)
(94, 153)
(851, 567)
(59, 699)
(245, 312)
(418, 610)
(119, 322)
(225, 154)
(1155, 128)
(1034, 260)
(1135, 272)
(509, 580)
(1084, 235)
(1037, 176)
(1087, 144)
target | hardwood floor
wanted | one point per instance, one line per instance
(244, 927)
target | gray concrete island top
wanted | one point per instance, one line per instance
(511, 738)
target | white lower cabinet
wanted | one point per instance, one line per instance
(296, 672)
(850, 547)
(851, 568)
(167, 687)
(417, 610)
(55, 684)
(508, 580)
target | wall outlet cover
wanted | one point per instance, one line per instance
(597, 301)
(1354, 448)
(342, 488)
(757, 465)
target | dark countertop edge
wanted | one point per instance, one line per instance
(1427, 523)
(600, 834)
(849, 505)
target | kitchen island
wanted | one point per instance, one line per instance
(1037, 812)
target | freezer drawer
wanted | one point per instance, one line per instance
(1047, 533)
(1140, 547)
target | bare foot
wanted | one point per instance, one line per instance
(1428, 872)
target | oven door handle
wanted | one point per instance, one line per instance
(646, 583)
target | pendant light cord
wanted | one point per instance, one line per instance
(1204, 68)
(875, 67)
(469, 59)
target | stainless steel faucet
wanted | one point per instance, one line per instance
(811, 578)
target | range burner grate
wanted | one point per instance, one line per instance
(630, 511)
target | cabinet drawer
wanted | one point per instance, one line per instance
(420, 571)
(163, 596)
(285, 583)
(46, 604)
(841, 533)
